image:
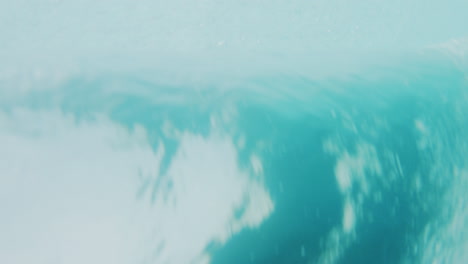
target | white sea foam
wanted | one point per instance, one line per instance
(445, 237)
(69, 188)
(349, 217)
(353, 173)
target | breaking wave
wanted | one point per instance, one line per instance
(247, 141)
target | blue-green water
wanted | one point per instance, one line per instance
(115, 168)
(232, 132)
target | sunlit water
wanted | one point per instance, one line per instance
(262, 162)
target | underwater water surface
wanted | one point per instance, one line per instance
(231, 137)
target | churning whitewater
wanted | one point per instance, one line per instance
(217, 132)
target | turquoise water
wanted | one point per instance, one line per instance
(368, 168)
(229, 133)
